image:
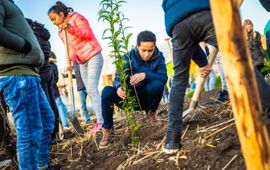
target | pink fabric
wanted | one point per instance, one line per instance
(83, 44)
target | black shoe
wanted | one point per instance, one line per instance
(223, 96)
(172, 144)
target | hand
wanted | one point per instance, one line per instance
(205, 71)
(64, 26)
(120, 93)
(137, 78)
(69, 68)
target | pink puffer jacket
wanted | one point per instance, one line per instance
(83, 44)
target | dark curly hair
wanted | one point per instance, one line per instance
(146, 36)
(60, 7)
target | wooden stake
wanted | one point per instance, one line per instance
(239, 73)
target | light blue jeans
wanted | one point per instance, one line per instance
(210, 82)
(33, 119)
(83, 95)
(220, 70)
(90, 73)
(62, 112)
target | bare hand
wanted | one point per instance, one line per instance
(69, 68)
(205, 71)
(64, 26)
(120, 93)
(137, 78)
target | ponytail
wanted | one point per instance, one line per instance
(60, 7)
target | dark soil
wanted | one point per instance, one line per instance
(207, 144)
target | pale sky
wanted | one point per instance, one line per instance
(143, 15)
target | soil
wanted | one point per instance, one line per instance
(209, 141)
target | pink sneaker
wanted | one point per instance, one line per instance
(97, 128)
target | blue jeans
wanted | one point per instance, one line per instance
(186, 34)
(210, 81)
(90, 73)
(83, 95)
(33, 119)
(149, 95)
(62, 111)
(221, 73)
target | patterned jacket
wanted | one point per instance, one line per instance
(255, 48)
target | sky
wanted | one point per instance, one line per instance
(143, 15)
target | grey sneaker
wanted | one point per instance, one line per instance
(172, 144)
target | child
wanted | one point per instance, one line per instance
(84, 49)
(60, 105)
(150, 77)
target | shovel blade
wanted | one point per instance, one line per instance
(193, 105)
(76, 126)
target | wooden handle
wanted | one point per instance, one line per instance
(242, 86)
(70, 82)
(201, 80)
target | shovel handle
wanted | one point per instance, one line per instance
(201, 80)
(70, 82)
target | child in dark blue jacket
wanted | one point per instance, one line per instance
(150, 76)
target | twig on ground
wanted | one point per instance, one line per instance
(160, 144)
(214, 126)
(226, 166)
(185, 132)
(208, 136)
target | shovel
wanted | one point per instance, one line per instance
(73, 118)
(196, 96)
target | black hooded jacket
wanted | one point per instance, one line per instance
(43, 36)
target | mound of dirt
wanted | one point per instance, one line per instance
(209, 140)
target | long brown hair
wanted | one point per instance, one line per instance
(249, 35)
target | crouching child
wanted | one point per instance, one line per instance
(149, 78)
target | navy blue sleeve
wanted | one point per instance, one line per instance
(116, 82)
(160, 73)
(199, 57)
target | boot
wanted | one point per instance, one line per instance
(172, 144)
(107, 138)
(152, 117)
(223, 96)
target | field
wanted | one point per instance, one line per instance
(209, 140)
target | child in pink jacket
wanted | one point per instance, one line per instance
(83, 48)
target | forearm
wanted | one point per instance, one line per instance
(10, 40)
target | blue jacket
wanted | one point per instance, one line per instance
(177, 10)
(153, 69)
